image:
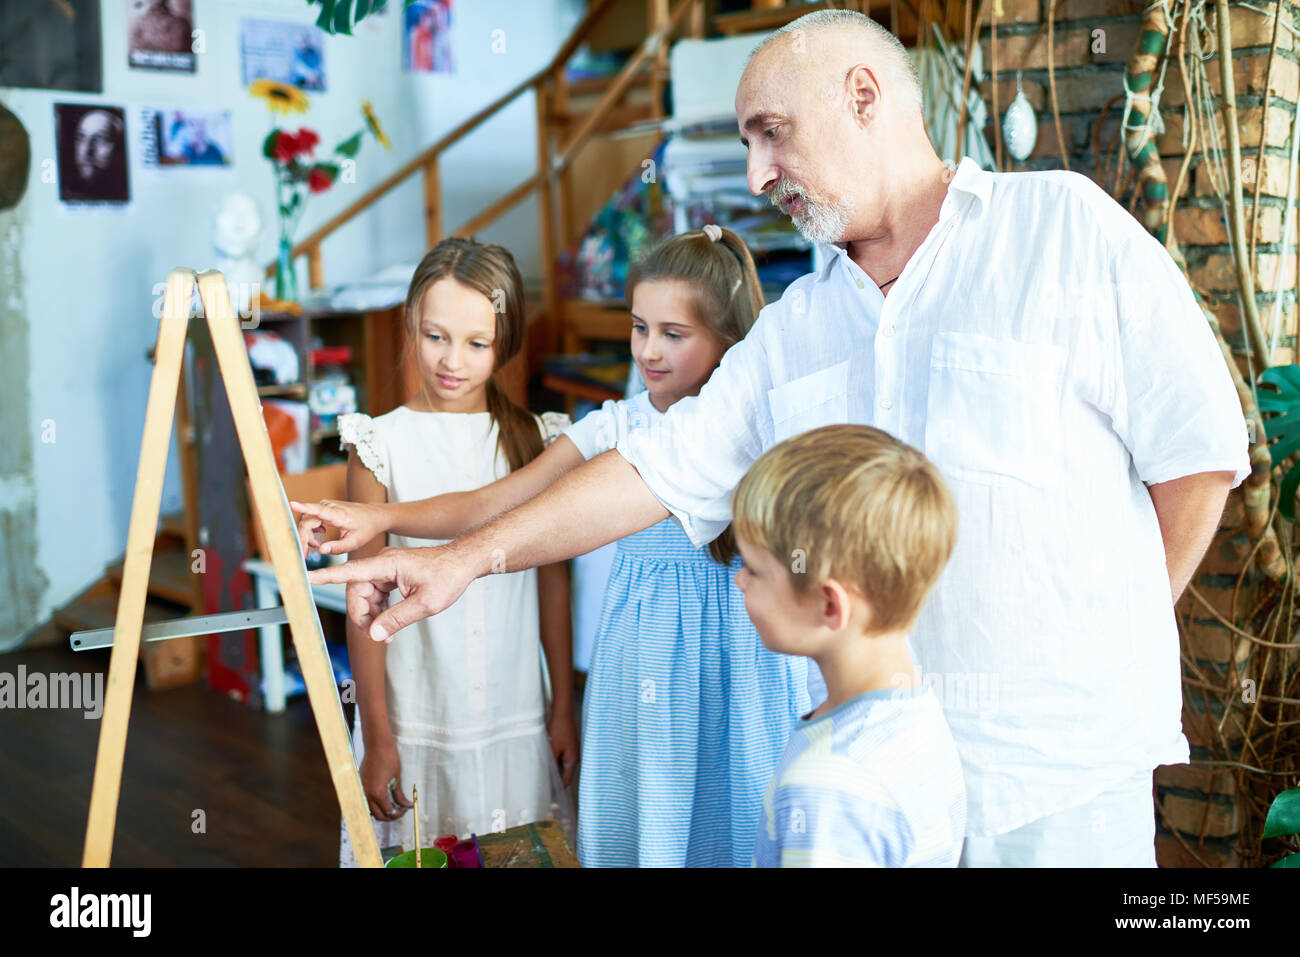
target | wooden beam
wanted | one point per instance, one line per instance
(315, 269)
(432, 205)
(546, 218)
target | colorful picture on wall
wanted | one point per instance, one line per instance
(90, 141)
(50, 46)
(426, 37)
(292, 53)
(177, 138)
(160, 35)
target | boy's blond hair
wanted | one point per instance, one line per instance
(852, 503)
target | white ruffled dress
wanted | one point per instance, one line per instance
(465, 689)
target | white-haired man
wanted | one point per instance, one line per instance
(1046, 354)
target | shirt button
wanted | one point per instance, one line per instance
(861, 284)
(889, 332)
(886, 404)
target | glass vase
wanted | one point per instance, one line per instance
(286, 280)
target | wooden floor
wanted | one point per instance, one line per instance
(260, 779)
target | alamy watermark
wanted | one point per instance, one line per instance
(63, 690)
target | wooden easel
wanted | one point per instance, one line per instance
(271, 511)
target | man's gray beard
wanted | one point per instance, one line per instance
(820, 222)
(823, 223)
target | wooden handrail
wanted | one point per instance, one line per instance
(427, 159)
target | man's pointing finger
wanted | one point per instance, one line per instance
(379, 568)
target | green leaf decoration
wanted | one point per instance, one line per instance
(1291, 860)
(350, 146)
(343, 17)
(1284, 816)
(339, 16)
(329, 169)
(268, 144)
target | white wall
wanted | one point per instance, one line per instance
(85, 280)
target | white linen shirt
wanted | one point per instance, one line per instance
(1047, 354)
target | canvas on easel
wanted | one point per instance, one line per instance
(271, 512)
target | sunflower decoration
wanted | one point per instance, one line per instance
(372, 121)
(280, 97)
(299, 172)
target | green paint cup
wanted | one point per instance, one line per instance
(429, 857)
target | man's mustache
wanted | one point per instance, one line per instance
(784, 191)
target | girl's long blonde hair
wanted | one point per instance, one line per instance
(725, 297)
(490, 270)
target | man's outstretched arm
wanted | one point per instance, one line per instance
(595, 504)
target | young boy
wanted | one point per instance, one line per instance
(843, 531)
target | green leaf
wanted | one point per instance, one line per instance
(1291, 860)
(363, 7)
(1276, 402)
(1284, 816)
(1280, 426)
(1286, 494)
(326, 19)
(1283, 450)
(343, 18)
(268, 145)
(1287, 378)
(350, 146)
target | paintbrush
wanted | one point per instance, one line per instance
(415, 800)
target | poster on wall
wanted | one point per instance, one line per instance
(426, 37)
(50, 46)
(292, 53)
(160, 35)
(179, 138)
(90, 143)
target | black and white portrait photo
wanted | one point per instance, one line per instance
(91, 144)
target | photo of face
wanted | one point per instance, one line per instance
(160, 35)
(91, 146)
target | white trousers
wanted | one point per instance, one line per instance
(1117, 828)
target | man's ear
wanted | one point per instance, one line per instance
(863, 92)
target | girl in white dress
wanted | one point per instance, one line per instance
(456, 705)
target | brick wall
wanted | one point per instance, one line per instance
(1199, 820)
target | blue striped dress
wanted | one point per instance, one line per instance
(686, 714)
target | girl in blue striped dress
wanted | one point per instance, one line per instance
(686, 714)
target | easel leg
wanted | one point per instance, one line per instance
(271, 510)
(107, 783)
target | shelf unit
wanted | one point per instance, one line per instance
(215, 485)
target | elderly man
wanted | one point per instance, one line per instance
(1041, 348)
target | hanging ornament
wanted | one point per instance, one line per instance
(1020, 125)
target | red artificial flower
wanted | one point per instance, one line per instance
(319, 180)
(286, 147)
(306, 140)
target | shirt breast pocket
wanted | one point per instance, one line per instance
(810, 401)
(993, 413)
